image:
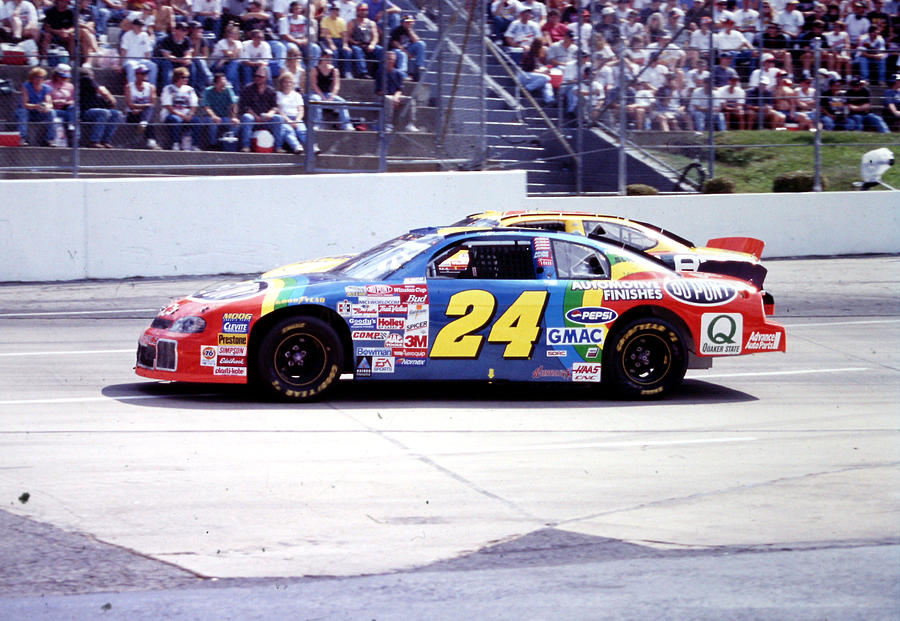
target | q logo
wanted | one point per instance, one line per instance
(715, 332)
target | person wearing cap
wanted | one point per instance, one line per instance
(871, 56)
(258, 108)
(890, 105)
(333, 31)
(562, 52)
(175, 50)
(767, 70)
(720, 13)
(631, 25)
(409, 47)
(140, 105)
(585, 29)
(521, 33)
(670, 54)
(255, 17)
(297, 33)
(62, 94)
(698, 46)
(840, 46)
(746, 20)
(785, 102)
(135, 48)
(859, 109)
(857, 22)
(255, 53)
(791, 20)
(723, 71)
(728, 102)
(538, 10)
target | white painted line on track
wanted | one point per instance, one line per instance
(588, 445)
(87, 312)
(766, 373)
(67, 353)
(92, 399)
(839, 323)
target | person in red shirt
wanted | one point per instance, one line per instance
(553, 29)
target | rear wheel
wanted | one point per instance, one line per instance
(645, 358)
(299, 358)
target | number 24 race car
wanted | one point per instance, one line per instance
(502, 304)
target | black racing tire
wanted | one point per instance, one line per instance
(644, 358)
(299, 359)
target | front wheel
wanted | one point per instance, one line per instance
(299, 358)
(646, 358)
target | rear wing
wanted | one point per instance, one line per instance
(749, 245)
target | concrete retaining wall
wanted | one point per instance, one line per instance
(75, 229)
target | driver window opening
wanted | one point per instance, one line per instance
(577, 262)
(511, 260)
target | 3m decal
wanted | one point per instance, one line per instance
(701, 292)
(721, 334)
(519, 327)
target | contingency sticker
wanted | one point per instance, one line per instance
(721, 334)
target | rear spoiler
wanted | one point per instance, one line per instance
(749, 245)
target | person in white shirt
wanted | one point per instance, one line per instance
(255, 53)
(721, 13)
(563, 51)
(746, 20)
(698, 104)
(20, 19)
(871, 55)
(538, 10)
(209, 14)
(135, 49)
(179, 103)
(632, 27)
(347, 10)
(671, 55)
(768, 70)
(290, 107)
(857, 22)
(728, 39)
(226, 54)
(839, 43)
(729, 102)
(521, 33)
(791, 20)
(503, 14)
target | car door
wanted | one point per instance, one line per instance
(487, 301)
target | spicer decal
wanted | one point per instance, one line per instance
(701, 292)
(575, 336)
(721, 334)
(589, 315)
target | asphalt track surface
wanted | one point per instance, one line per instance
(768, 487)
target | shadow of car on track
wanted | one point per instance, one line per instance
(365, 395)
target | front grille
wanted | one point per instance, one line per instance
(161, 323)
(146, 355)
(166, 357)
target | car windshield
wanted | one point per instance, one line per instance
(477, 222)
(386, 258)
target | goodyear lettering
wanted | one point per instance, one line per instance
(575, 336)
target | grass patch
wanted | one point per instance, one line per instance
(752, 159)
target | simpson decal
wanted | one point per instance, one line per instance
(721, 334)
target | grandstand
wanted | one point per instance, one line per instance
(474, 111)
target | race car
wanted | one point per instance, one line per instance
(732, 256)
(499, 304)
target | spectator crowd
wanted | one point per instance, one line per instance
(682, 64)
(214, 71)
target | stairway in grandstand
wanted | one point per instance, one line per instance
(519, 135)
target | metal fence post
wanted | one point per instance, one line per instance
(817, 179)
(623, 119)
